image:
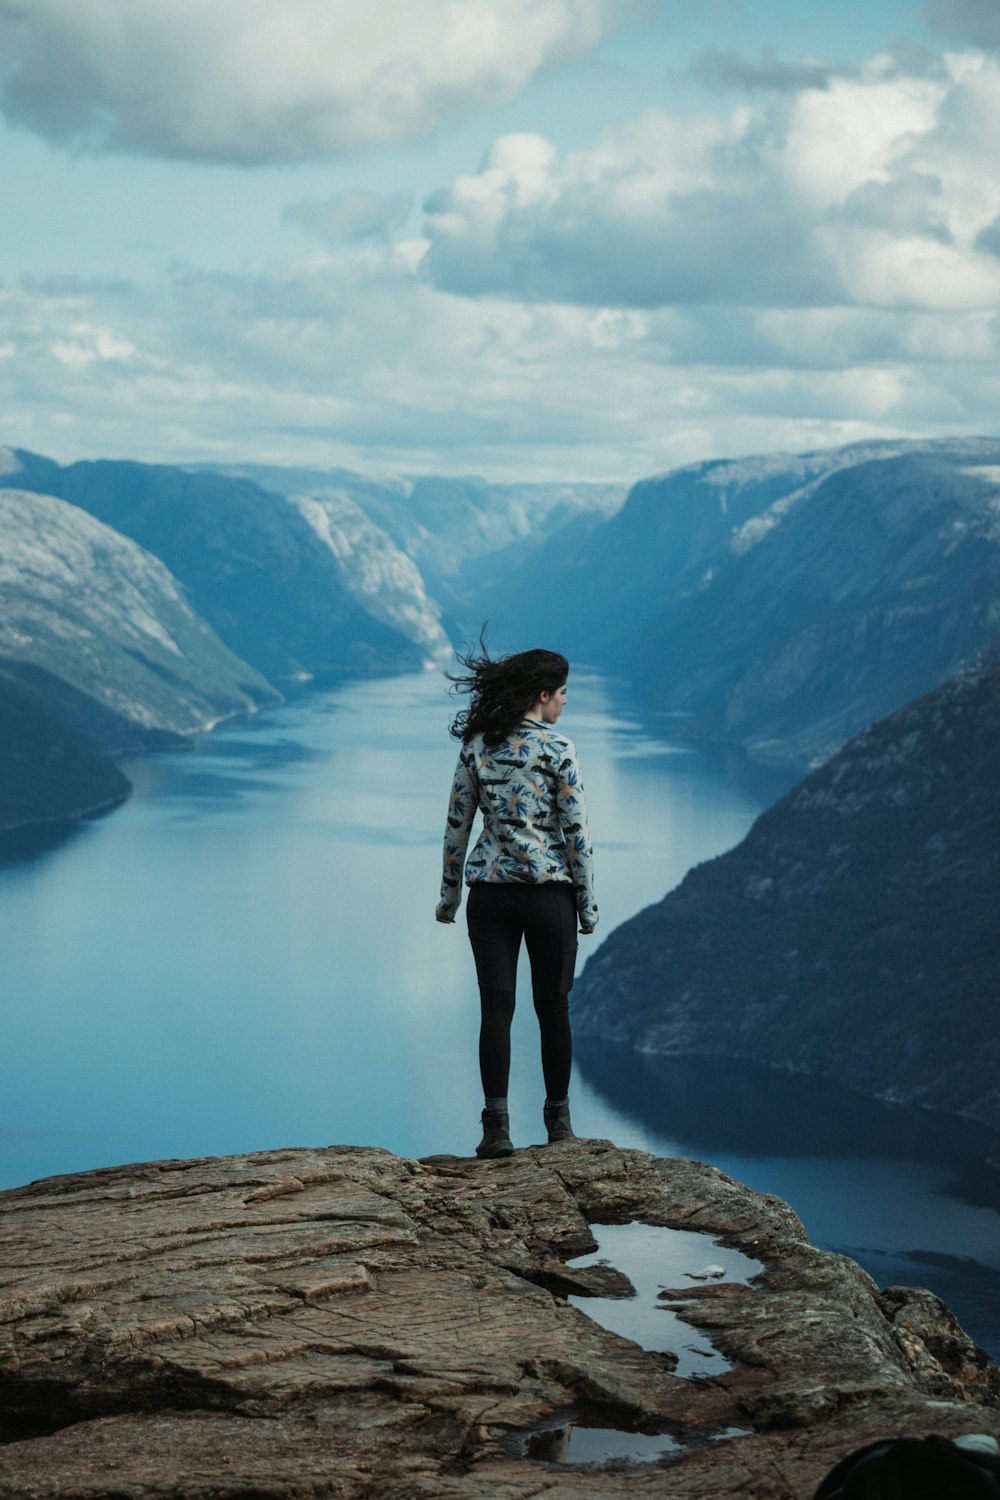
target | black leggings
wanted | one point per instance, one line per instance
(545, 916)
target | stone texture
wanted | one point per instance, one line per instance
(346, 1323)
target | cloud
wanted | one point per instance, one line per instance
(976, 22)
(352, 216)
(872, 191)
(648, 216)
(821, 268)
(255, 81)
(732, 70)
(355, 359)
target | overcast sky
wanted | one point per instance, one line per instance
(553, 239)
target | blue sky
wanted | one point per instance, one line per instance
(554, 239)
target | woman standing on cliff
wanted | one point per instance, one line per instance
(530, 874)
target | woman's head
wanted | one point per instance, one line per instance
(504, 690)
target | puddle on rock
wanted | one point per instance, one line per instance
(574, 1443)
(655, 1260)
(569, 1439)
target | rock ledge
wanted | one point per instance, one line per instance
(346, 1323)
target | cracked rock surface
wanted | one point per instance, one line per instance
(344, 1322)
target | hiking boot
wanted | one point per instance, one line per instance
(557, 1123)
(496, 1134)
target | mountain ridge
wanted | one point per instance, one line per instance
(852, 934)
(250, 564)
(737, 597)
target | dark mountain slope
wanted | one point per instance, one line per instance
(853, 934)
(50, 771)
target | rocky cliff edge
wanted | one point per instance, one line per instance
(346, 1323)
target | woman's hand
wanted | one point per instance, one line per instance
(448, 921)
(586, 931)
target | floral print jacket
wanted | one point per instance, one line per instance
(535, 826)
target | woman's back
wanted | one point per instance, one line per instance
(535, 830)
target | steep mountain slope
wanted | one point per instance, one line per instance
(840, 603)
(50, 772)
(95, 628)
(381, 578)
(781, 603)
(250, 563)
(597, 588)
(853, 934)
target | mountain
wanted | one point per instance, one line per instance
(97, 630)
(463, 533)
(853, 934)
(598, 587)
(780, 603)
(250, 563)
(378, 576)
(51, 773)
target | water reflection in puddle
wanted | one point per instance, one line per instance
(655, 1260)
(572, 1443)
(570, 1439)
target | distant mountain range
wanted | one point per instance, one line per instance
(778, 604)
(853, 934)
(782, 603)
(251, 565)
(463, 534)
(143, 602)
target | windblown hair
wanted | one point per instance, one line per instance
(502, 690)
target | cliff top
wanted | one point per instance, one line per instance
(344, 1322)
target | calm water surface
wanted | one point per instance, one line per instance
(245, 956)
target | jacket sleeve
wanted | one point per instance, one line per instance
(571, 805)
(461, 811)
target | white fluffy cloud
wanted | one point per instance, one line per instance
(354, 358)
(275, 80)
(868, 190)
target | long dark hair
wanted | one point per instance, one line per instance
(502, 689)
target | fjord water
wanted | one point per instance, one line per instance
(245, 957)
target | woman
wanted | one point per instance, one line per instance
(530, 874)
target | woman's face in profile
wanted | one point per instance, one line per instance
(553, 704)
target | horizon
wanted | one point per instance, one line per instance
(380, 473)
